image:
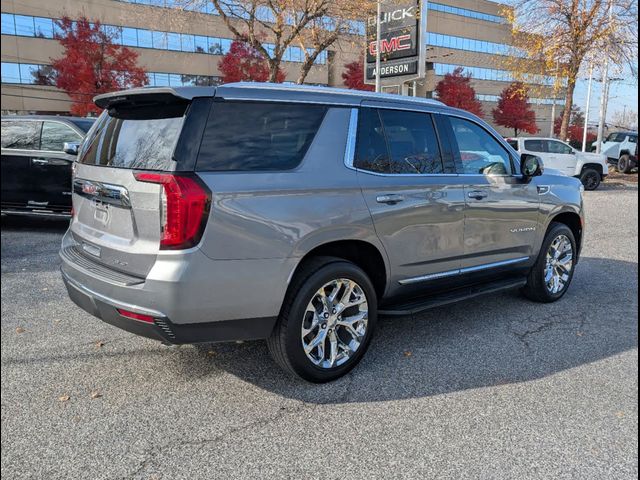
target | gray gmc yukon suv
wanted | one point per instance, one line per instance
(301, 214)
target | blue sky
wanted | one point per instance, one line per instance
(622, 93)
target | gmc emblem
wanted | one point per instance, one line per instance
(89, 189)
(394, 44)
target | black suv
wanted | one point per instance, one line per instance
(37, 155)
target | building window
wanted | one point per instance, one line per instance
(24, 25)
(8, 24)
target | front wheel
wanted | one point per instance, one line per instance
(552, 273)
(624, 164)
(327, 320)
(590, 178)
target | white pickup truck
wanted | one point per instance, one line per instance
(621, 149)
(590, 168)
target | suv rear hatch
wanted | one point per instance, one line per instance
(134, 191)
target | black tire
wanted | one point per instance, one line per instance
(536, 287)
(285, 343)
(590, 178)
(624, 164)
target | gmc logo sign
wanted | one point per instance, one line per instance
(393, 44)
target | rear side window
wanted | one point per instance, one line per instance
(55, 134)
(23, 135)
(633, 139)
(514, 144)
(538, 146)
(397, 142)
(145, 143)
(248, 136)
(413, 145)
(559, 147)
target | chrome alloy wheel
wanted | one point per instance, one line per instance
(559, 264)
(335, 323)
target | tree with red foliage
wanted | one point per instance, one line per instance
(575, 130)
(92, 64)
(514, 110)
(353, 77)
(456, 91)
(244, 63)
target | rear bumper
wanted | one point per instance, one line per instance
(191, 297)
(162, 328)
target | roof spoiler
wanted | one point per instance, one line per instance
(156, 102)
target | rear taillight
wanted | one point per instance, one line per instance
(184, 208)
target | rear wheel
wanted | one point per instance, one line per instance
(590, 178)
(327, 320)
(552, 273)
(624, 164)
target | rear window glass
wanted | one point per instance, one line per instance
(22, 135)
(145, 144)
(246, 136)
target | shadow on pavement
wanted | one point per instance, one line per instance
(34, 224)
(501, 339)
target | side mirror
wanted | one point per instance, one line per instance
(531, 165)
(71, 148)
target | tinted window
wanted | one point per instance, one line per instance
(55, 134)
(258, 136)
(412, 141)
(371, 150)
(633, 138)
(480, 153)
(535, 146)
(514, 144)
(84, 125)
(145, 144)
(559, 147)
(21, 134)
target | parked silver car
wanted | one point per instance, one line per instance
(300, 214)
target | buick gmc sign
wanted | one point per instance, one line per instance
(401, 51)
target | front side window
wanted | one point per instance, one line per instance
(55, 134)
(21, 135)
(633, 139)
(254, 136)
(480, 152)
(559, 147)
(538, 146)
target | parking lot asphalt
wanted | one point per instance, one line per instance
(495, 387)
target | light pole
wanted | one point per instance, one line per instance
(378, 28)
(553, 106)
(604, 96)
(586, 112)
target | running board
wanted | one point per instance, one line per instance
(415, 306)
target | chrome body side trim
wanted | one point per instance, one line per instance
(461, 271)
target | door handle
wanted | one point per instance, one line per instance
(390, 199)
(40, 161)
(477, 194)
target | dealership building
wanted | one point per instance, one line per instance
(179, 47)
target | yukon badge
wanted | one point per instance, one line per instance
(523, 229)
